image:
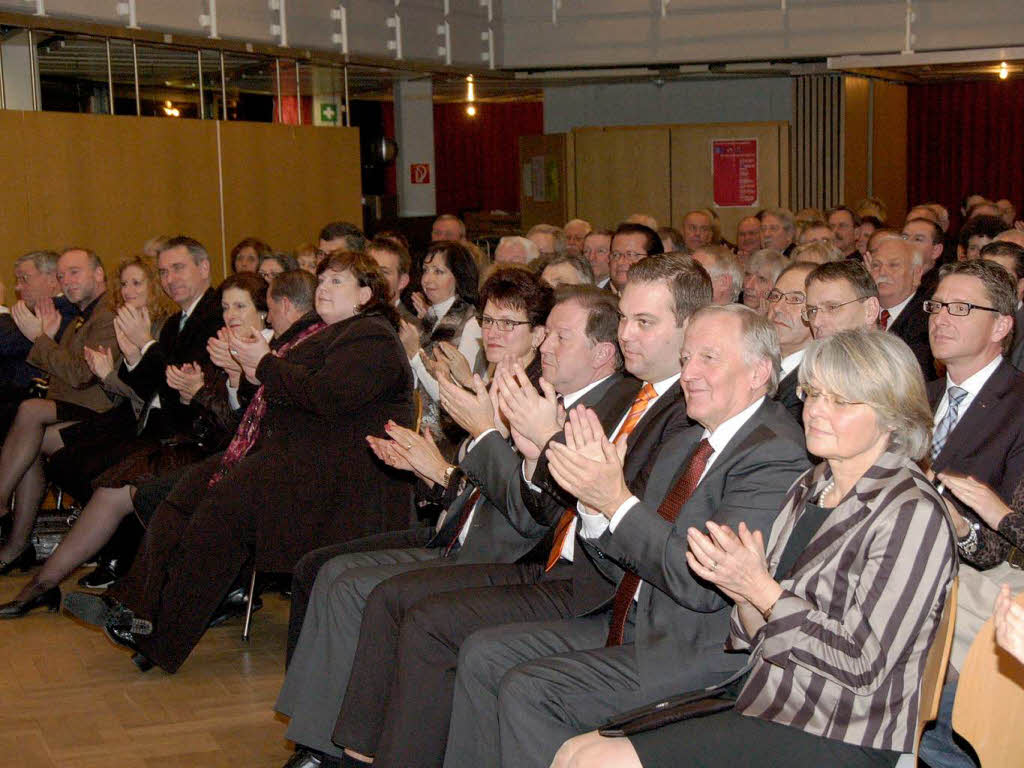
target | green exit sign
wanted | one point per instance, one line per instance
(329, 113)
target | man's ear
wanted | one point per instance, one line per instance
(403, 282)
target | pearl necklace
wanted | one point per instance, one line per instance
(826, 491)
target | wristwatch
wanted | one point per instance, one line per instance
(969, 543)
(446, 477)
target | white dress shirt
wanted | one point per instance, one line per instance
(894, 312)
(792, 362)
(972, 384)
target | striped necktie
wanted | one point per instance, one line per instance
(955, 396)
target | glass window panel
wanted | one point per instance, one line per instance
(168, 81)
(72, 73)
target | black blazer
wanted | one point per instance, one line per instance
(1016, 353)
(786, 394)
(681, 621)
(175, 347)
(987, 442)
(912, 327)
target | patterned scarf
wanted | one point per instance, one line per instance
(249, 428)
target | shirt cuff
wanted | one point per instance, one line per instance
(621, 512)
(233, 398)
(529, 483)
(142, 354)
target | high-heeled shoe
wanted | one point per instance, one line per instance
(26, 559)
(40, 596)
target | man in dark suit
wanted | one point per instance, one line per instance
(897, 267)
(979, 431)
(474, 529)
(661, 293)
(786, 302)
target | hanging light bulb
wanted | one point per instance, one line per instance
(470, 96)
(1004, 71)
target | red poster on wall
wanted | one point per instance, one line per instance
(734, 169)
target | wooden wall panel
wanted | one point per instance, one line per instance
(283, 183)
(889, 166)
(620, 171)
(855, 138)
(692, 180)
(111, 183)
(545, 151)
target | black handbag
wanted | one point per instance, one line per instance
(685, 706)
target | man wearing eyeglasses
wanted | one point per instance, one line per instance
(786, 302)
(630, 243)
(841, 296)
(979, 432)
(897, 267)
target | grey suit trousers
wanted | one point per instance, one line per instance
(319, 670)
(501, 673)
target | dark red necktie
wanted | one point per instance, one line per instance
(463, 517)
(669, 510)
(883, 319)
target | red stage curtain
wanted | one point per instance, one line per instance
(290, 115)
(965, 138)
(477, 158)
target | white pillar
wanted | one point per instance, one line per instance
(18, 73)
(414, 132)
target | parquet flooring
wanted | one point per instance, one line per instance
(71, 699)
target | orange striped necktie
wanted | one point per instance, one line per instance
(636, 412)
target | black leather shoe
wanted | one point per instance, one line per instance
(40, 596)
(233, 605)
(125, 638)
(101, 577)
(26, 559)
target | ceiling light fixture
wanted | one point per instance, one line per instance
(1004, 71)
(470, 96)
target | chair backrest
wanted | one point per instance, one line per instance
(989, 706)
(935, 665)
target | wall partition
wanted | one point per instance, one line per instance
(110, 183)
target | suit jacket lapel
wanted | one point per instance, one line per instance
(639, 443)
(975, 420)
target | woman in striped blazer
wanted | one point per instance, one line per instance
(839, 615)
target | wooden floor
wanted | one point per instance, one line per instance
(71, 699)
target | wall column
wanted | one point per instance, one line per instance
(414, 132)
(17, 61)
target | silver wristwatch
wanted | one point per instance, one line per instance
(969, 543)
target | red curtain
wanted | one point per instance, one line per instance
(289, 114)
(965, 138)
(477, 157)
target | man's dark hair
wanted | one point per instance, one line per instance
(936, 230)
(652, 245)
(519, 289)
(296, 285)
(602, 308)
(193, 246)
(980, 226)
(462, 265)
(849, 270)
(392, 245)
(286, 260)
(355, 240)
(1008, 250)
(687, 280)
(847, 209)
(999, 285)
